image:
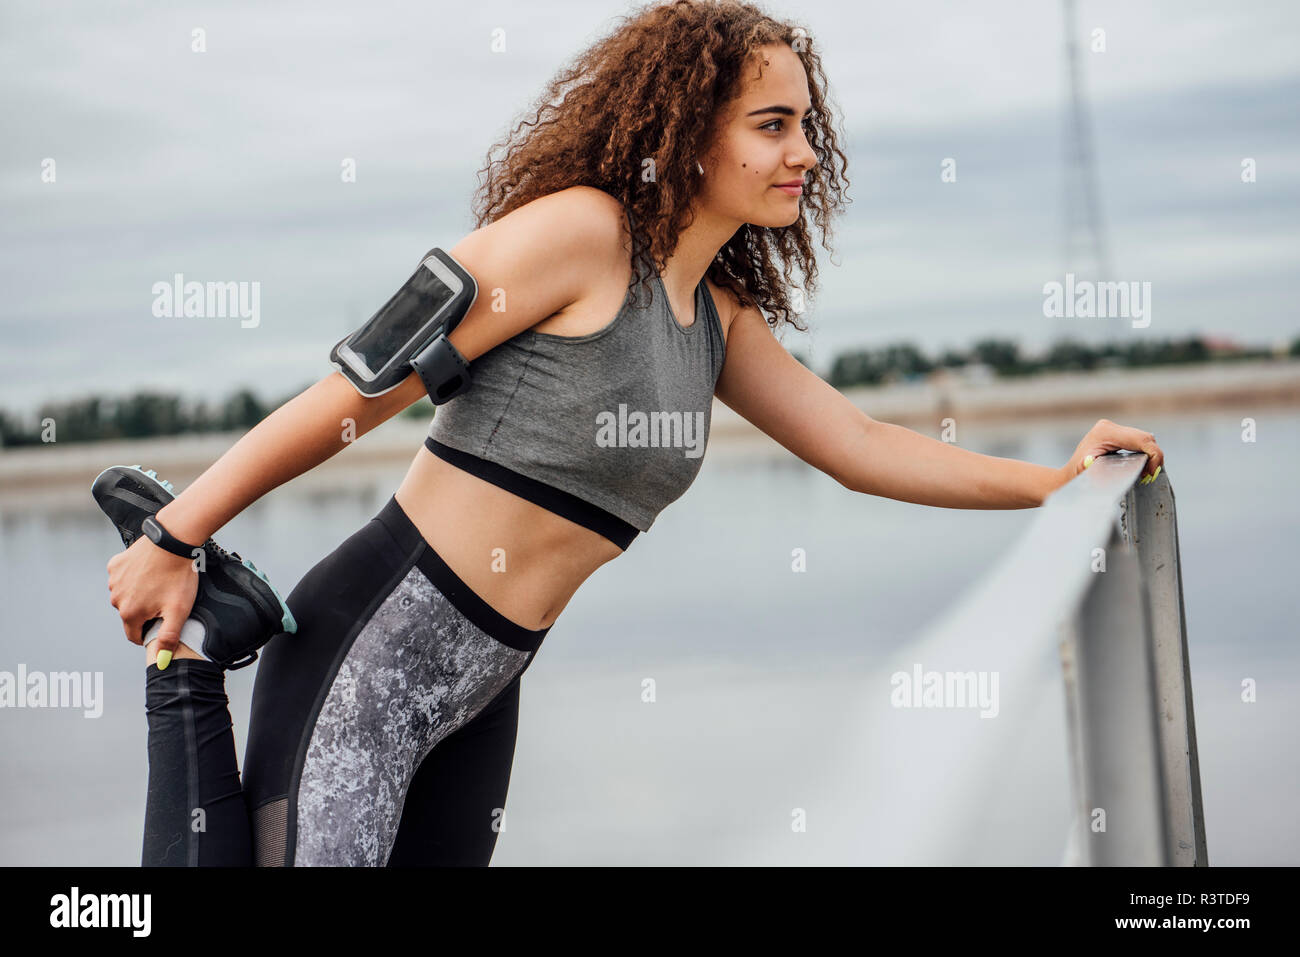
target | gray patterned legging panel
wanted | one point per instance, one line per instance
(383, 730)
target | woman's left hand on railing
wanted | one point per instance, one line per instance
(1107, 436)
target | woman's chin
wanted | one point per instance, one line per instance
(773, 218)
(787, 220)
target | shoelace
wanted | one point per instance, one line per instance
(221, 553)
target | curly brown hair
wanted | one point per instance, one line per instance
(652, 88)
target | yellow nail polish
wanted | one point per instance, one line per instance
(1157, 475)
(1087, 462)
(164, 659)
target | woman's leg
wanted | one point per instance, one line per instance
(456, 802)
(195, 814)
(393, 654)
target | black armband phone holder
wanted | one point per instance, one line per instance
(410, 332)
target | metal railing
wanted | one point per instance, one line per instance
(1098, 571)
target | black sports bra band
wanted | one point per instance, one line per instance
(562, 503)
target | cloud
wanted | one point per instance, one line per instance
(225, 166)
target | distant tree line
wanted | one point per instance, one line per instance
(904, 361)
(149, 414)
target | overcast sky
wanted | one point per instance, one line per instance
(225, 166)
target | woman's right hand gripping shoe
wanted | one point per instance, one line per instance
(239, 608)
(147, 582)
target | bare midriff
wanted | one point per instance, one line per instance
(523, 560)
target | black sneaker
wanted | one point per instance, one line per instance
(239, 607)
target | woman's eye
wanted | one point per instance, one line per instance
(807, 125)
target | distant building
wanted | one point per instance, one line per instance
(1221, 345)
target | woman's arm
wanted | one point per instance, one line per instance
(902, 464)
(529, 264)
(764, 383)
(295, 438)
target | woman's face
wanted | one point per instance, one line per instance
(760, 143)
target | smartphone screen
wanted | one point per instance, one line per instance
(402, 317)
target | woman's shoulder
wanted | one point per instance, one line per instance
(595, 206)
(726, 302)
(589, 217)
(599, 244)
(600, 220)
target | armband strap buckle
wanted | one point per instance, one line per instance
(442, 369)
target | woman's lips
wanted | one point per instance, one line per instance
(790, 190)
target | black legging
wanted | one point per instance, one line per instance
(382, 731)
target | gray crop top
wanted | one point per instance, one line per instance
(606, 429)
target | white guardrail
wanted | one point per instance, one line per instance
(1098, 571)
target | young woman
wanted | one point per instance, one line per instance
(633, 251)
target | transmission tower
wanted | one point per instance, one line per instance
(1085, 244)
